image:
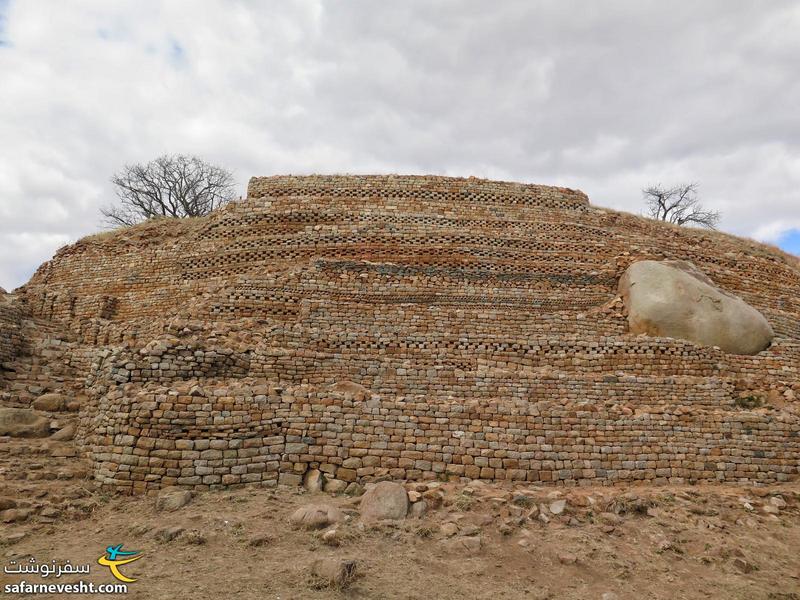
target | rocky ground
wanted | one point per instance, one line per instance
(455, 541)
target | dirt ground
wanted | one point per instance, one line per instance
(484, 541)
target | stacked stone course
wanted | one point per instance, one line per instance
(481, 317)
(241, 434)
(10, 328)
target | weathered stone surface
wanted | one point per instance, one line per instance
(22, 422)
(357, 391)
(332, 572)
(65, 434)
(465, 545)
(449, 529)
(418, 509)
(172, 498)
(434, 498)
(558, 506)
(51, 402)
(567, 558)
(316, 516)
(743, 565)
(777, 502)
(15, 515)
(384, 500)
(290, 479)
(609, 518)
(354, 489)
(168, 534)
(259, 540)
(313, 480)
(335, 486)
(675, 299)
(332, 537)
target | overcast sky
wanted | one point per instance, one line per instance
(603, 96)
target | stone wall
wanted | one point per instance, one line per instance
(482, 317)
(593, 432)
(448, 193)
(484, 367)
(10, 328)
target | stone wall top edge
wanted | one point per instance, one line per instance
(302, 182)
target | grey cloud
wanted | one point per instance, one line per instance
(603, 96)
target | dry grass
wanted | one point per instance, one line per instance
(747, 244)
(152, 229)
(463, 502)
(788, 258)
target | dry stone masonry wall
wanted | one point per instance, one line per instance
(413, 328)
(562, 433)
(10, 328)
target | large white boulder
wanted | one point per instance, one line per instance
(673, 298)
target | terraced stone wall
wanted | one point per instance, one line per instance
(462, 305)
(403, 192)
(484, 368)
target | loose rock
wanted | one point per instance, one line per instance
(558, 507)
(335, 486)
(567, 558)
(418, 509)
(23, 423)
(316, 516)
(466, 545)
(313, 480)
(259, 540)
(172, 498)
(332, 572)
(743, 565)
(168, 534)
(385, 500)
(51, 402)
(15, 515)
(65, 434)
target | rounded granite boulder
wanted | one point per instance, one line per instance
(675, 299)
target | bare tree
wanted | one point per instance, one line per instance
(169, 186)
(679, 205)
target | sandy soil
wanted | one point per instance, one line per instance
(609, 543)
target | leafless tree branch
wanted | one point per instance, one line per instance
(678, 205)
(169, 186)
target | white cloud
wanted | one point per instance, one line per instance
(25, 251)
(606, 98)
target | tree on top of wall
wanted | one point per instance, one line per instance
(168, 186)
(678, 205)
